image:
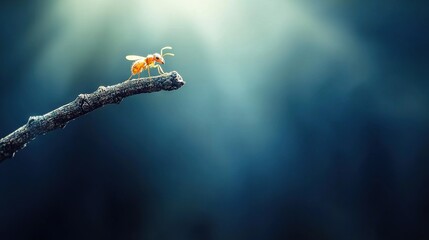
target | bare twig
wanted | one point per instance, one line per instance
(82, 105)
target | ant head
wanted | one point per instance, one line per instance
(158, 58)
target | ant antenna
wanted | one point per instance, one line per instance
(166, 54)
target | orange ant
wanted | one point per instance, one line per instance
(142, 63)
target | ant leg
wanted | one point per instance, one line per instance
(139, 75)
(148, 71)
(130, 77)
(160, 70)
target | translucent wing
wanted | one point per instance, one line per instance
(133, 57)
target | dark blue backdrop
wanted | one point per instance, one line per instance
(299, 120)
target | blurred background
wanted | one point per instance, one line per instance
(299, 120)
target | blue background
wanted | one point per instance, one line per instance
(299, 120)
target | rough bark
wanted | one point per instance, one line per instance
(83, 104)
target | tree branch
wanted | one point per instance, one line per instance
(82, 105)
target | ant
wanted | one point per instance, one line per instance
(150, 61)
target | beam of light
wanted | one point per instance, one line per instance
(242, 42)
